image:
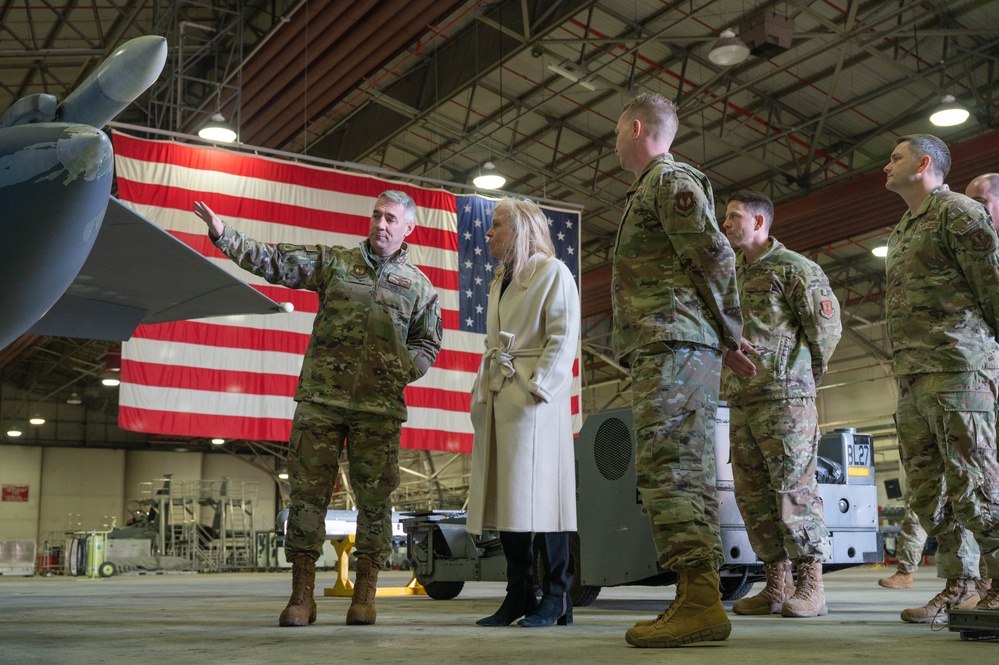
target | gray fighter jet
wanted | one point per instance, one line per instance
(77, 262)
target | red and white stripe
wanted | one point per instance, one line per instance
(234, 376)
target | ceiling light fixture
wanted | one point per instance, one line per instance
(488, 177)
(74, 399)
(880, 251)
(216, 129)
(110, 374)
(949, 113)
(283, 475)
(36, 420)
(218, 442)
(14, 432)
(728, 50)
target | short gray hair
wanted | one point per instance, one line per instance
(403, 199)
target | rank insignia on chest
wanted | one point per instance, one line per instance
(400, 281)
(826, 309)
(359, 270)
(684, 202)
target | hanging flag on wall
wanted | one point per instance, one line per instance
(475, 266)
(234, 377)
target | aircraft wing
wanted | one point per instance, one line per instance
(138, 273)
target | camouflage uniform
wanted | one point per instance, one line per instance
(912, 541)
(676, 305)
(792, 319)
(943, 302)
(378, 329)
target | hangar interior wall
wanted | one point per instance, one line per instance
(72, 489)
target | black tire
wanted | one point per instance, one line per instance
(736, 586)
(107, 569)
(581, 595)
(443, 590)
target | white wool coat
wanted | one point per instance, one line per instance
(523, 468)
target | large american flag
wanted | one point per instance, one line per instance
(475, 266)
(234, 377)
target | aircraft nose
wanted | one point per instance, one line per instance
(85, 152)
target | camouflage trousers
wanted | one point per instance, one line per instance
(774, 444)
(946, 425)
(674, 400)
(318, 436)
(912, 541)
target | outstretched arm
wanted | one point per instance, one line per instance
(215, 226)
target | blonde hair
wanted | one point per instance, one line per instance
(530, 237)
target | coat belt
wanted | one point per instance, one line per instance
(497, 365)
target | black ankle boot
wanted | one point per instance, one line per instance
(551, 610)
(515, 605)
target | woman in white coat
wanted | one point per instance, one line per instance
(523, 477)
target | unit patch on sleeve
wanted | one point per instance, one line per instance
(980, 240)
(826, 309)
(684, 202)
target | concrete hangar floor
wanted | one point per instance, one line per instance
(172, 619)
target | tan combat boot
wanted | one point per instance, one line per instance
(697, 614)
(362, 604)
(900, 580)
(809, 599)
(984, 583)
(780, 587)
(990, 601)
(301, 609)
(958, 593)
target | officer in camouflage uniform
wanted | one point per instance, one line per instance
(792, 321)
(943, 304)
(378, 329)
(909, 548)
(676, 306)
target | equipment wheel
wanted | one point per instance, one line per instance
(736, 586)
(107, 569)
(443, 590)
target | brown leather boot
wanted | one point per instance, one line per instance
(900, 580)
(362, 604)
(697, 614)
(780, 587)
(301, 609)
(958, 593)
(809, 599)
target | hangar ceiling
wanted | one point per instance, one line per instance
(433, 89)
